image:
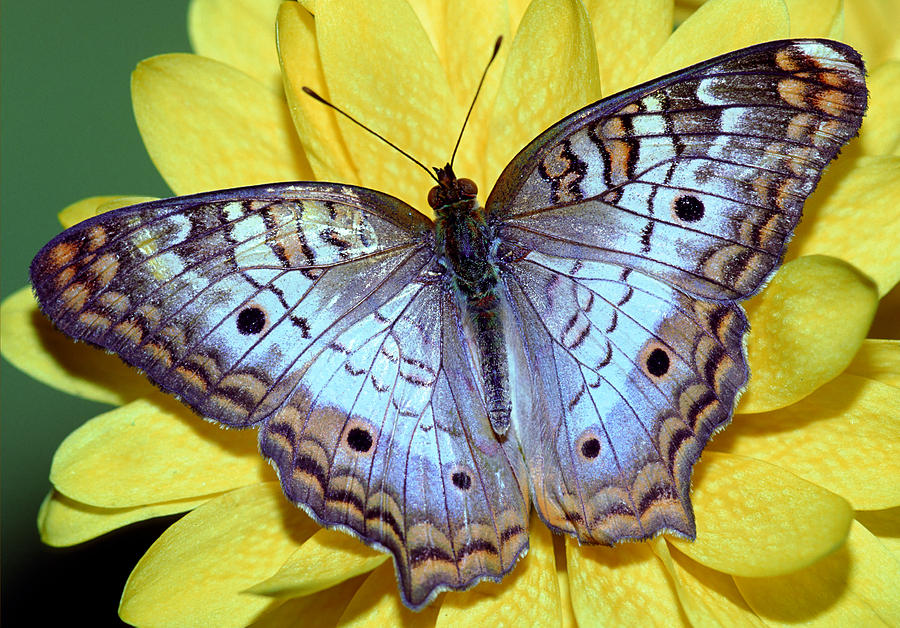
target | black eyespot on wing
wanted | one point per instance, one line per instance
(359, 439)
(658, 362)
(689, 208)
(461, 480)
(251, 320)
(590, 448)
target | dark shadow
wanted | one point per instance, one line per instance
(90, 363)
(82, 584)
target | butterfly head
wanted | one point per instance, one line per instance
(449, 189)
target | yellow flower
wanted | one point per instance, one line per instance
(797, 503)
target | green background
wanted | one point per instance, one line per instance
(67, 133)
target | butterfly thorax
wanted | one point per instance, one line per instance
(462, 234)
(464, 244)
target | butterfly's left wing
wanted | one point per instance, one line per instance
(629, 232)
(314, 310)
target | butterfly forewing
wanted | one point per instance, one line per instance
(699, 177)
(221, 298)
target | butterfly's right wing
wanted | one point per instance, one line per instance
(631, 229)
(697, 178)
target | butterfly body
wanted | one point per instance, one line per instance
(466, 245)
(571, 346)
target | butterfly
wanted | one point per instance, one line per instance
(572, 345)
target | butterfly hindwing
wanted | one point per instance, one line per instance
(632, 376)
(220, 297)
(698, 177)
(386, 436)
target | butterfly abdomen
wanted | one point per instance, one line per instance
(465, 244)
(483, 313)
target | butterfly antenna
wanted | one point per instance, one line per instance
(477, 91)
(310, 92)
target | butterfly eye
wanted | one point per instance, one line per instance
(434, 195)
(467, 188)
(251, 320)
(688, 208)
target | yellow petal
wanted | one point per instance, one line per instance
(805, 327)
(880, 132)
(885, 525)
(517, 9)
(878, 360)
(855, 586)
(326, 559)
(240, 33)
(621, 586)
(871, 28)
(466, 53)
(96, 205)
(377, 603)
(321, 610)
(855, 215)
(208, 126)
(31, 344)
(845, 437)
(702, 605)
(815, 18)
(755, 519)
(316, 124)
(63, 521)
(627, 35)
(197, 572)
(713, 591)
(153, 450)
(529, 594)
(717, 27)
(551, 71)
(684, 9)
(432, 16)
(382, 69)
(838, 26)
